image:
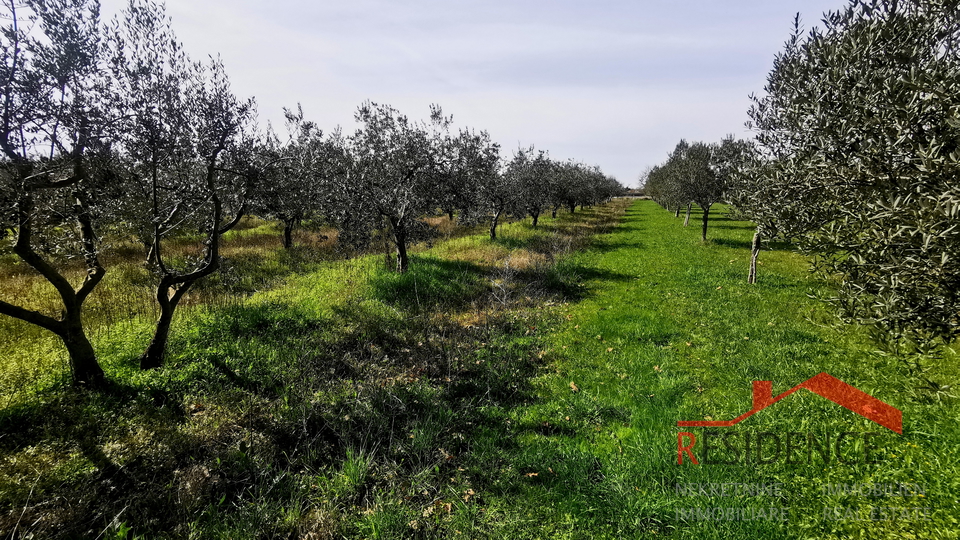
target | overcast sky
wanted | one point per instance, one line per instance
(609, 83)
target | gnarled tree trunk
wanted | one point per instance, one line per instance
(168, 296)
(400, 239)
(173, 285)
(83, 359)
(84, 367)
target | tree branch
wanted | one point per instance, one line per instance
(30, 316)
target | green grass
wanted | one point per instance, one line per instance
(527, 387)
(670, 331)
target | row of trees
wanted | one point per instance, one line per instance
(533, 184)
(111, 131)
(856, 161)
(858, 139)
(392, 172)
(696, 173)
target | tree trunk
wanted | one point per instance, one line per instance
(288, 225)
(450, 214)
(493, 225)
(402, 260)
(172, 285)
(400, 238)
(706, 216)
(152, 358)
(754, 253)
(553, 214)
(677, 213)
(151, 252)
(536, 218)
(172, 288)
(573, 207)
(83, 360)
(686, 220)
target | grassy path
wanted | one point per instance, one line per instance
(670, 331)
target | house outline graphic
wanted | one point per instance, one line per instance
(825, 385)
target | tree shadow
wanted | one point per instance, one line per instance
(607, 246)
(429, 283)
(512, 242)
(727, 242)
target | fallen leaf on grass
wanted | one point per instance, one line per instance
(574, 387)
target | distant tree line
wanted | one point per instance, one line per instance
(112, 131)
(695, 173)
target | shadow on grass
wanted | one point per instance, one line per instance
(429, 283)
(262, 398)
(606, 246)
(742, 225)
(733, 244)
(572, 280)
(260, 403)
(512, 242)
(746, 244)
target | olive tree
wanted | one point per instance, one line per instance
(536, 181)
(860, 129)
(665, 184)
(688, 177)
(391, 181)
(296, 174)
(473, 167)
(55, 180)
(698, 181)
(187, 141)
(470, 160)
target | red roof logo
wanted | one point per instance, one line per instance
(824, 385)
